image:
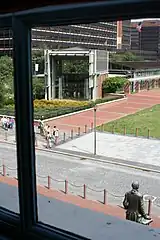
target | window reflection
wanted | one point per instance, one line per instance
(8, 156)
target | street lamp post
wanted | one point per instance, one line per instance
(95, 132)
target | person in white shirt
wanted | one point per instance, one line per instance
(45, 131)
(55, 134)
(2, 121)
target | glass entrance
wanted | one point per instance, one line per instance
(74, 86)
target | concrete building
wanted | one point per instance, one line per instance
(101, 35)
(149, 37)
(124, 35)
(80, 85)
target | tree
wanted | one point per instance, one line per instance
(113, 84)
(6, 80)
(38, 58)
(123, 57)
(38, 88)
(6, 74)
(75, 66)
(2, 97)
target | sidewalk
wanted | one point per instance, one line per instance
(78, 201)
(107, 112)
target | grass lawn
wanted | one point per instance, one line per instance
(143, 120)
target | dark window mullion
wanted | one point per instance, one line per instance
(24, 124)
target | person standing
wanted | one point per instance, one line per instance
(55, 134)
(49, 140)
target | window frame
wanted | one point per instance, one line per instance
(26, 223)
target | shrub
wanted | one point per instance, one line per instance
(113, 84)
(54, 108)
(9, 100)
(59, 103)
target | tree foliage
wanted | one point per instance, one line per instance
(6, 79)
(123, 57)
(113, 84)
(38, 58)
(75, 66)
(6, 73)
(2, 97)
(38, 88)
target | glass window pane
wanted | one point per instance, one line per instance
(62, 84)
(8, 155)
(69, 65)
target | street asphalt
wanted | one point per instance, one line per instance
(96, 175)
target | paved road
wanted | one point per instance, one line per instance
(98, 176)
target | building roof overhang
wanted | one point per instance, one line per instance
(140, 64)
(45, 13)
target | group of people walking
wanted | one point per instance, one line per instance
(51, 135)
(7, 123)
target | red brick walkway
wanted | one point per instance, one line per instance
(78, 201)
(109, 111)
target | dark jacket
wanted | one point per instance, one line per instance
(133, 203)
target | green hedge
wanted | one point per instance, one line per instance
(113, 84)
(55, 112)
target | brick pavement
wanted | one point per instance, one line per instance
(78, 201)
(105, 113)
(109, 111)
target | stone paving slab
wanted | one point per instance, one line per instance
(140, 150)
(111, 160)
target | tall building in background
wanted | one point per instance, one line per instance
(148, 39)
(126, 39)
(124, 35)
(102, 35)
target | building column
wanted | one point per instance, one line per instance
(86, 88)
(59, 77)
(60, 88)
(47, 75)
(92, 74)
(53, 77)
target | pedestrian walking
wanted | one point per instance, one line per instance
(55, 135)
(49, 140)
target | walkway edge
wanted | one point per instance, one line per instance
(73, 113)
(101, 160)
(85, 110)
(121, 164)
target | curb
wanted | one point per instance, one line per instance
(70, 114)
(81, 111)
(100, 160)
(93, 159)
